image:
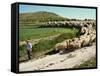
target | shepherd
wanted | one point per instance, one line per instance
(29, 49)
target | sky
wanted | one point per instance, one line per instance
(67, 12)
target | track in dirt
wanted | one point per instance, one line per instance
(57, 61)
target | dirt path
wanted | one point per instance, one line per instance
(57, 61)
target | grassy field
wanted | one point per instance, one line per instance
(43, 46)
(35, 33)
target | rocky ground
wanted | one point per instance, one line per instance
(60, 61)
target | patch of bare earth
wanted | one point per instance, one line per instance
(57, 61)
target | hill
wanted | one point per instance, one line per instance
(37, 17)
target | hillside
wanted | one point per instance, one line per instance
(37, 17)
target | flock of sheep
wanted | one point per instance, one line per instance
(76, 24)
(86, 29)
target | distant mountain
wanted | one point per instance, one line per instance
(37, 17)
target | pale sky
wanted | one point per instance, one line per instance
(67, 12)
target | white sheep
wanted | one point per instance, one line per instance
(86, 41)
(60, 46)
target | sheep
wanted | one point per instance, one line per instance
(92, 37)
(78, 42)
(60, 46)
(77, 45)
(86, 41)
(84, 30)
(71, 45)
(87, 37)
(75, 39)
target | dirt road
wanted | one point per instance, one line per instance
(57, 61)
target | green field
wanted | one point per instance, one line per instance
(35, 33)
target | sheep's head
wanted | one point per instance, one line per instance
(57, 47)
